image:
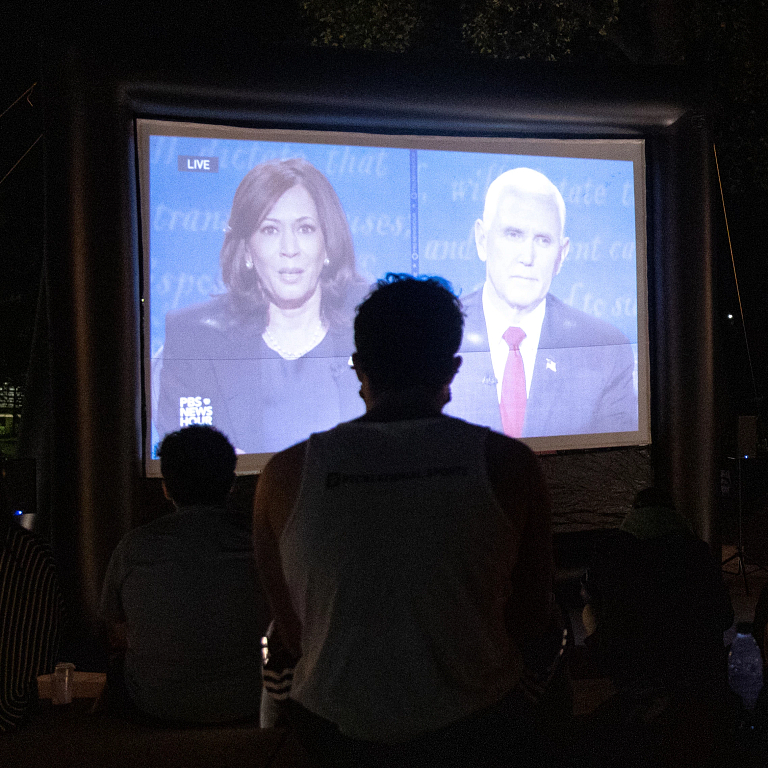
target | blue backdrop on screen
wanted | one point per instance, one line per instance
(189, 210)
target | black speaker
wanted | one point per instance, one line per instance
(20, 480)
(746, 443)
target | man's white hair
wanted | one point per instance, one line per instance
(523, 181)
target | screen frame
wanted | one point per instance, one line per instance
(628, 149)
(84, 406)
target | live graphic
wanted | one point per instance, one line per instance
(204, 164)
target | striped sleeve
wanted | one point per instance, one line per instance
(31, 608)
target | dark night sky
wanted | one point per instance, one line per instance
(30, 30)
(21, 192)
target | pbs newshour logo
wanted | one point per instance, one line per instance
(195, 410)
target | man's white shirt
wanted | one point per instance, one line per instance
(496, 323)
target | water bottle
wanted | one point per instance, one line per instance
(745, 666)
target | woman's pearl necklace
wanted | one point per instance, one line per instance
(272, 343)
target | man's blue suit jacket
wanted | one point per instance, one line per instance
(582, 380)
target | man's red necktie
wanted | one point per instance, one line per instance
(513, 396)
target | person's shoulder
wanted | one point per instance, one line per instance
(614, 544)
(287, 458)
(502, 445)
(688, 548)
(137, 537)
(218, 312)
(579, 328)
(475, 337)
(277, 489)
(284, 469)
(509, 460)
(516, 478)
(207, 330)
(18, 539)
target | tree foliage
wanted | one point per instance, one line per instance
(386, 25)
(726, 41)
(723, 41)
(546, 30)
(526, 29)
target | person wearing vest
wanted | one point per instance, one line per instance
(407, 558)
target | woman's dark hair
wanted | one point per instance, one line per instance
(198, 465)
(408, 331)
(261, 188)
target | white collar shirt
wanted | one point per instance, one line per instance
(496, 324)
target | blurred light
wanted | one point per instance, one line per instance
(18, 512)
(730, 317)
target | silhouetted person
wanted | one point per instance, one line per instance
(760, 633)
(31, 607)
(181, 597)
(407, 558)
(656, 609)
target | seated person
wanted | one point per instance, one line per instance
(656, 609)
(30, 616)
(760, 633)
(181, 597)
(407, 556)
(656, 603)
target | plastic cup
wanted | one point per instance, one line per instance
(63, 679)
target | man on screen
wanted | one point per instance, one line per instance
(534, 366)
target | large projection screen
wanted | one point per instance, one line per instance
(411, 205)
(94, 430)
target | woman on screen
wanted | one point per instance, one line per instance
(267, 362)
